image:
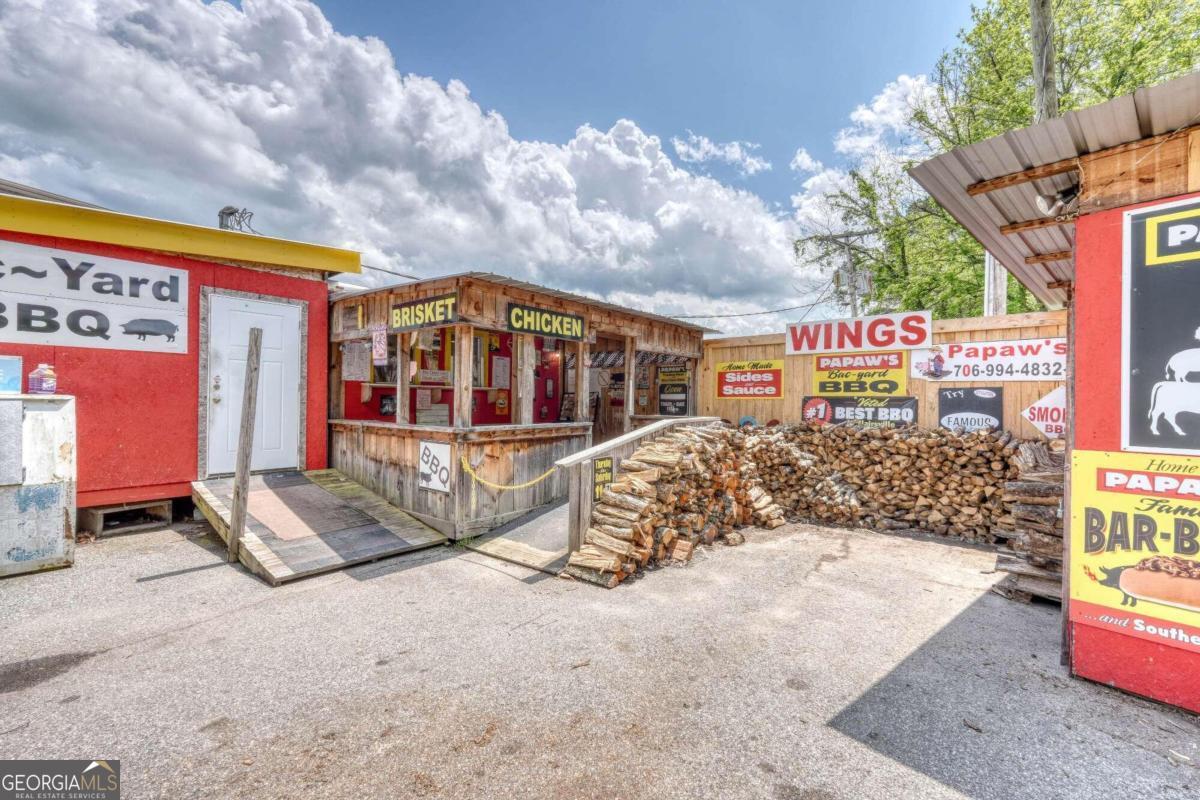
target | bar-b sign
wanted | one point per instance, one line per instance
(60, 780)
(58, 297)
(544, 322)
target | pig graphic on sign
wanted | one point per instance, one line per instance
(141, 328)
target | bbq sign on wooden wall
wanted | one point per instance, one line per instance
(59, 297)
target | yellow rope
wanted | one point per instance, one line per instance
(466, 466)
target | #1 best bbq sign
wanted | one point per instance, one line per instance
(62, 298)
(1161, 330)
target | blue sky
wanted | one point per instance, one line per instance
(780, 74)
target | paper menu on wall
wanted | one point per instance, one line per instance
(356, 361)
(501, 372)
(379, 348)
(424, 399)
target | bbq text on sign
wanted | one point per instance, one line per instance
(867, 412)
(67, 299)
(883, 332)
(874, 374)
(431, 312)
(752, 380)
(1160, 375)
(1135, 545)
(433, 471)
(1049, 415)
(1007, 360)
(529, 319)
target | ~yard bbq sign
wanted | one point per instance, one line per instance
(62, 298)
(883, 332)
(750, 380)
(875, 374)
(1160, 373)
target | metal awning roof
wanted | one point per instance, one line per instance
(504, 280)
(1147, 112)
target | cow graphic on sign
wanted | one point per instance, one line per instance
(1176, 395)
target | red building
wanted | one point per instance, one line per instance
(1099, 211)
(145, 322)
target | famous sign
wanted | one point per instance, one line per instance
(905, 330)
(51, 296)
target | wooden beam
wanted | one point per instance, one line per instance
(245, 447)
(403, 341)
(630, 381)
(1068, 164)
(1193, 161)
(464, 375)
(526, 363)
(1059, 284)
(1036, 224)
(1024, 176)
(582, 394)
(1046, 258)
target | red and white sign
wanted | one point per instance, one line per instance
(905, 330)
(1049, 415)
(1161, 484)
(1001, 360)
(754, 380)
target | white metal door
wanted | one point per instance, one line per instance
(277, 417)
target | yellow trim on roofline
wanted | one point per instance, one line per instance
(25, 215)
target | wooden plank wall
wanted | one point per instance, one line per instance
(385, 459)
(797, 373)
(1159, 167)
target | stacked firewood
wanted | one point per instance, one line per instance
(1032, 526)
(684, 489)
(941, 481)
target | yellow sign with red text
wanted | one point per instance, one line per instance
(1135, 545)
(881, 373)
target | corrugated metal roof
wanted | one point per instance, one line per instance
(32, 192)
(504, 280)
(1147, 112)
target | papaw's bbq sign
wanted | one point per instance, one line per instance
(544, 322)
(1135, 545)
(880, 373)
(1003, 360)
(901, 331)
(67, 299)
(750, 380)
(1161, 331)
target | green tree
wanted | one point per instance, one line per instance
(917, 256)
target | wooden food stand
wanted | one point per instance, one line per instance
(465, 437)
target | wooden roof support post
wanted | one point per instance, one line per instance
(464, 374)
(402, 361)
(245, 446)
(526, 363)
(630, 380)
(582, 394)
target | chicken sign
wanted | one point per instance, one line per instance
(902, 331)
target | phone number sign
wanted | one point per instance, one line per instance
(1003, 360)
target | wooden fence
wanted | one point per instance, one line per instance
(798, 371)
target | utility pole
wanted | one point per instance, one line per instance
(1041, 34)
(852, 278)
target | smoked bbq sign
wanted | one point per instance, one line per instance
(903, 331)
(544, 322)
(431, 312)
(63, 298)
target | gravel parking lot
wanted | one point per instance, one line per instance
(808, 663)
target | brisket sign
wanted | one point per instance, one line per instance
(905, 330)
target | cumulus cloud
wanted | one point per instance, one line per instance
(740, 155)
(804, 162)
(175, 108)
(886, 117)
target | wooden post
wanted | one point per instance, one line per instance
(582, 407)
(464, 374)
(630, 380)
(693, 368)
(402, 366)
(245, 448)
(526, 362)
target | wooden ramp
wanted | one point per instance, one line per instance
(537, 540)
(304, 523)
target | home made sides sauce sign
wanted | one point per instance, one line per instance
(905, 330)
(750, 380)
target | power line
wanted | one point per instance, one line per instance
(392, 272)
(809, 306)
